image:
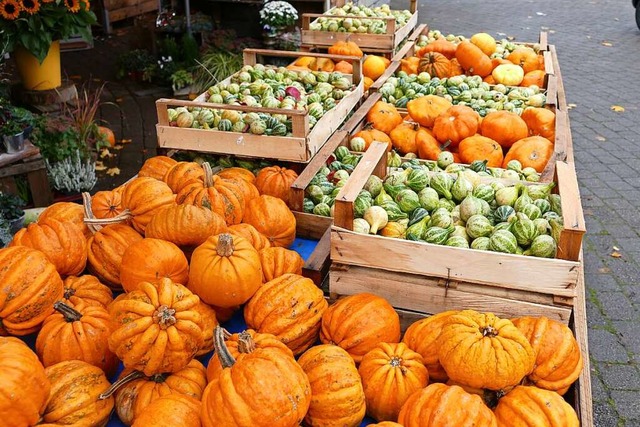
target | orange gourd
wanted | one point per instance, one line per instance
(425, 109)
(533, 151)
(403, 137)
(173, 410)
(343, 67)
(478, 147)
(473, 59)
(106, 204)
(156, 167)
(181, 173)
(436, 64)
(410, 65)
(455, 68)
(540, 121)
(105, 250)
(258, 240)
(209, 322)
(276, 181)
(456, 124)
(530, 406)
(526, 58)
(143, 197)
(442, 46)
(504, 127)
(271, 217)
(238, 173)
(108, 135)
(67, 212)
(279, 261)
(88, 290)
(374, 66)
(534, 78)
(428, 147)
(384, 117)
(151, 260)
(485, 42)
(346, 48)
(370, 134)
(185, 225)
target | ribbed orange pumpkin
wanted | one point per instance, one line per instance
(271, 217)
(181, 173)
(258, 240)
(223, 197)
(436, 64)
(478, 147)
(233, 342)
(533, 151)
(156, 167)
(532, 406)
(456, 124)
(173, 410)
(24, 383)
(77, 332)
(185, 225)
(482, 350)
(106, 249)
(225, 271)
(534, 78)
(540, 121)
(227, 400)
(75, 387)
(143, 197)
(384, 117)
(473, 59)
(146, 318)
(441, 45)
(425, 109)
(289, 307)
(209, 322)
(238, 173)
(134, 391)
(403, 137)
(62, 243)
(442, 405)
(106, 204)
(525, 57)
(504, 127)
(347, 48)
(30, 286)
(248, 190)
(279, 261)
(370, 134)
(87, 289)
(428, 147)
(358, 323)
(276, 181)
(390, 374)
(385, 424)
(150, 260)
(337, 397)
(558, 357)
(421, 337)
(66, 212)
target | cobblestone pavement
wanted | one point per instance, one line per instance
(598, 45)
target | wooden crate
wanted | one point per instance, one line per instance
(300, 147)
(118, 10)
(316, 267)
(373, 43)
(27, 162)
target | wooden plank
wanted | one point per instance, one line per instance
(133, 10)
(543, 41)
(40, 187)
(570, 242)
(373, 162)
(21, 168)
(316, 267)
(28, 151)
(361, 113)
(562, 99)
(548, 63)
(584, 399)
(420, 29)
(468, 265)
(552, 90)
(423, 296)
(311, 226)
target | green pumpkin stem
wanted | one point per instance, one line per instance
(133, 375)
(220, 348)
(69, 313)
(225, 245)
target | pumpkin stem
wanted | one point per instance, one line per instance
(395, 362)
(69, 313)
(489, 331)
(88, 213)
(165, 316)
(133, 375)
(208, 175)
(246, 344)
(225, 245)
(118, 219)
(68, 293)
(158, 378)
(220, 348)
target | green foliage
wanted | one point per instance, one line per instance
(136, 60)
(11, 206)
(214, 67)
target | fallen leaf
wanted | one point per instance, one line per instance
(118, 100)
(501, 34)
(571, 106)
(604, 270)
(601, 138)
(113, 171)
(616, 254)
(105, 153)
(607, 44)
(615, 248)
(617, 108)
(117, 147)
(100, 166)
(125, 141)
(511, 38)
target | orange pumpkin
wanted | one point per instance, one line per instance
(428, 147)
(370, 134)
(441, 45)
(156, 167)
(385, 424)
(426, 109)
(473, 59)
(238, 173)
(174, 409)
(390, 374)
(225, 271)
(258, 240)
(106, 204)
(384, 116)
(107, 135)
(105, 250)
(271, 217)
(485, 42)
(456, 69)
(529, 406)
(279, 261)
(346, 48)
(66, 212)
(504, 127)
(367, 83)
(540, 121)
(403, 137)
(143, 197)
(209, 322)
(525, 57)
(421, 337)
(147, 319)
(185, 225)
(489, 79)
(88, 290)
(343, 67)
(151, 260)
(61, 242)
(410, 65)
(358, 323)
(276, 181)
(436, 64)
(181, 173)
(456, 124)
(534, 78)
(533, 151)
(499, 61)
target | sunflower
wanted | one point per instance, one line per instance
(30, 6)
(9, 9)
(87, 6)
(72, 5)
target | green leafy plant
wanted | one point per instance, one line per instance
(14, 120)
(5, 232)
(181, 79)
(215, 66)
(134, 61)
(11, 206)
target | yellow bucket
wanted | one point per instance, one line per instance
(36, 76)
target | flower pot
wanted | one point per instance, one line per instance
(36, 76)
(16, 224)
(14, 143)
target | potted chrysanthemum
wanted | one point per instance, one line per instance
(33, 30)
(275, 17)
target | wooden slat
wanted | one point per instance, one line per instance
(134, 10)
(570, 242)
(584, 399)
(316, 267)
(361, 113)
(549, 276)
(373, 162)
(29, 150)
(21, 168)
(548, 63)
(311, 226)
(420, 294)
(543, 41)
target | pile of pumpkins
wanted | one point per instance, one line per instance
(433, 125)
(184, 246)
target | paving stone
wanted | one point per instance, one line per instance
(617, 306)
(629, 335)
(605, 415)
(598, 390)
(608, 349)
(628, 406)
(620, 376)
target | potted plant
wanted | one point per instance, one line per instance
(33, 30)
(134, 63)
(11, 211)
(275, 17)
(15, 124)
